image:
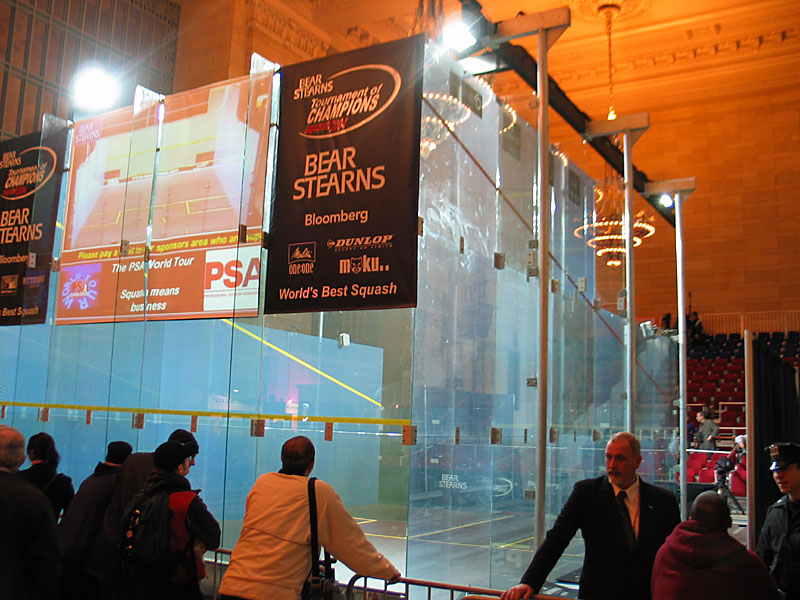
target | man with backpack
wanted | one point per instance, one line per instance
(103, 563)
(166, 530)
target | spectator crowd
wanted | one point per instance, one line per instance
(135, 529)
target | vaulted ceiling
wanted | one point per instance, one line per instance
(720, 80)
(665, 52)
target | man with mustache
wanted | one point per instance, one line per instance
(779, 541)
(623, 521)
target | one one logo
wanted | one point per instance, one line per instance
(361, 242)
(80, 289)
(27, 175)
(358, 95)
(9, 284)
(302, 257)
(361, 264)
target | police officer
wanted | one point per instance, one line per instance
(779, 542)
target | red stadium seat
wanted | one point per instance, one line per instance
(739, 481)
(697, 460)
(706, 475)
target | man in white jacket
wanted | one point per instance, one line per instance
(272, 557)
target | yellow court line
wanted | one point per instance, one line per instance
(523, 540)
(388, 537)
(402, 537)
(460, 527)
(452, 543)
(201, 413)
(300, 361)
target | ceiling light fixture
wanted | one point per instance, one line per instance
(605, 233)
(609, 11)
(666, 201)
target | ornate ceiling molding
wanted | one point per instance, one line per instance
(293, 34)
(728, 49)
(589, 9)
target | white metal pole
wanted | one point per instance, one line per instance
(630, 313)
(684, 443)
(543, 181)
(752, 451)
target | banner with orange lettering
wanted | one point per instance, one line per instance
(343, 233)
(30, 182)
(165, 207)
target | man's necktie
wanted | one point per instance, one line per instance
(626, 519)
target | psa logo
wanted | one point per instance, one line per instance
(230, 271)
(361, 243)
(359, 264)
(302, 257)
(81, 289)
(231, 278)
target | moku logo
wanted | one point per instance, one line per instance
(358, 264)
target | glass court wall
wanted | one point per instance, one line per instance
(456, 505)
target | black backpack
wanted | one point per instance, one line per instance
(145, 538)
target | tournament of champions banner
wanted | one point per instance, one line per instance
(343, 231)
(30, 182)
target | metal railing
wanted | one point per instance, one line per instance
(217, 560)
(784, 320)
(383, 592)
(214, 570)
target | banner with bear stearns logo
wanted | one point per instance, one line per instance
(30, 181)
(343, 231)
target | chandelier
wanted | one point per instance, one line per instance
(436, 128)
(442, 112)
(605, 233)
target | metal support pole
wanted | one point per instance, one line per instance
(630, 312)
(684, 443)
(752, 450)
(631, 127)
(682, 188)
(548, 27)
(543, 185)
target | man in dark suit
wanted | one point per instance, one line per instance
(623, 520)
(29, 559)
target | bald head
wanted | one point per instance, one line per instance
(709, 507)
(297, 456)
(12, 448)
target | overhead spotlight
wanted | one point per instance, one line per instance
(666, 201)
(457, 36)
(94, 90)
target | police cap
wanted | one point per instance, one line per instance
(783, 454)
